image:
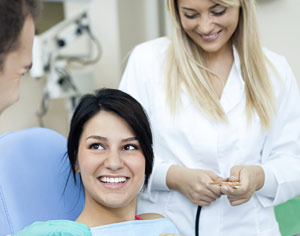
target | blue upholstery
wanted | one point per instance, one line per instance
(33, 175)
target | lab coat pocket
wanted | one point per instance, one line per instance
(267, 223)
(274, 231)
(180, 209)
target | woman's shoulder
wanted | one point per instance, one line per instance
(278, 61)
(273, 56)
(155, 47)
(154, 43)
(281, 75)
(280, 65)
(150, 57)
(151, 216)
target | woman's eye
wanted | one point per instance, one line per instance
(190, 16)
(96, 146)
(130, 147)
(219, 12)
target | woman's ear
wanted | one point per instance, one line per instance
(77, 169)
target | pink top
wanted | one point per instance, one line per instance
(137, 217)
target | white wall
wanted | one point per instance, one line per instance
(279, 29)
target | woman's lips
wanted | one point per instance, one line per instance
(210, 37)
(113, 182)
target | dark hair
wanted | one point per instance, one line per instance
(12, 17)
(120, 103)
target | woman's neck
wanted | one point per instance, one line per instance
(224, 54)
(95, 214)
(220, 64)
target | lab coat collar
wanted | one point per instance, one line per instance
(233, 91)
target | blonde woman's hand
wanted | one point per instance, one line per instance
(251, 178)
(193, 183)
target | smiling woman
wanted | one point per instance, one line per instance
(110, 146)
(112, 167)
(209, 25)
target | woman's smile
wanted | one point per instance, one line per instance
(113, 182)
(210, 37)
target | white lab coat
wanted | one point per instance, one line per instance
(191, 139)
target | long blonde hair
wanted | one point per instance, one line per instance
(187, 66)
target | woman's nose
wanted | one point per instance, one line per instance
(205, 25)
(114, 160)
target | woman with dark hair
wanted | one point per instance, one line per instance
(110, 146)
(122, 105)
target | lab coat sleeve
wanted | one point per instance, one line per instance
(136, 81)
(281, 152)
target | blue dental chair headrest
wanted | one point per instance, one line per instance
(35, 184)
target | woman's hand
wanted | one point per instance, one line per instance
(194, 185)
(251, 178)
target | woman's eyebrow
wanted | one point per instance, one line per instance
(98, 137)
(129, 139)
(191, 9)
(188, 9)
(216, 5)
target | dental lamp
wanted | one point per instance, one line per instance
(51, 60)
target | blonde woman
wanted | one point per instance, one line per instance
(222, 109)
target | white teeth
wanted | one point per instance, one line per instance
(209, 36)
(113, 180)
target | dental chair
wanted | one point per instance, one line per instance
(35, 184)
